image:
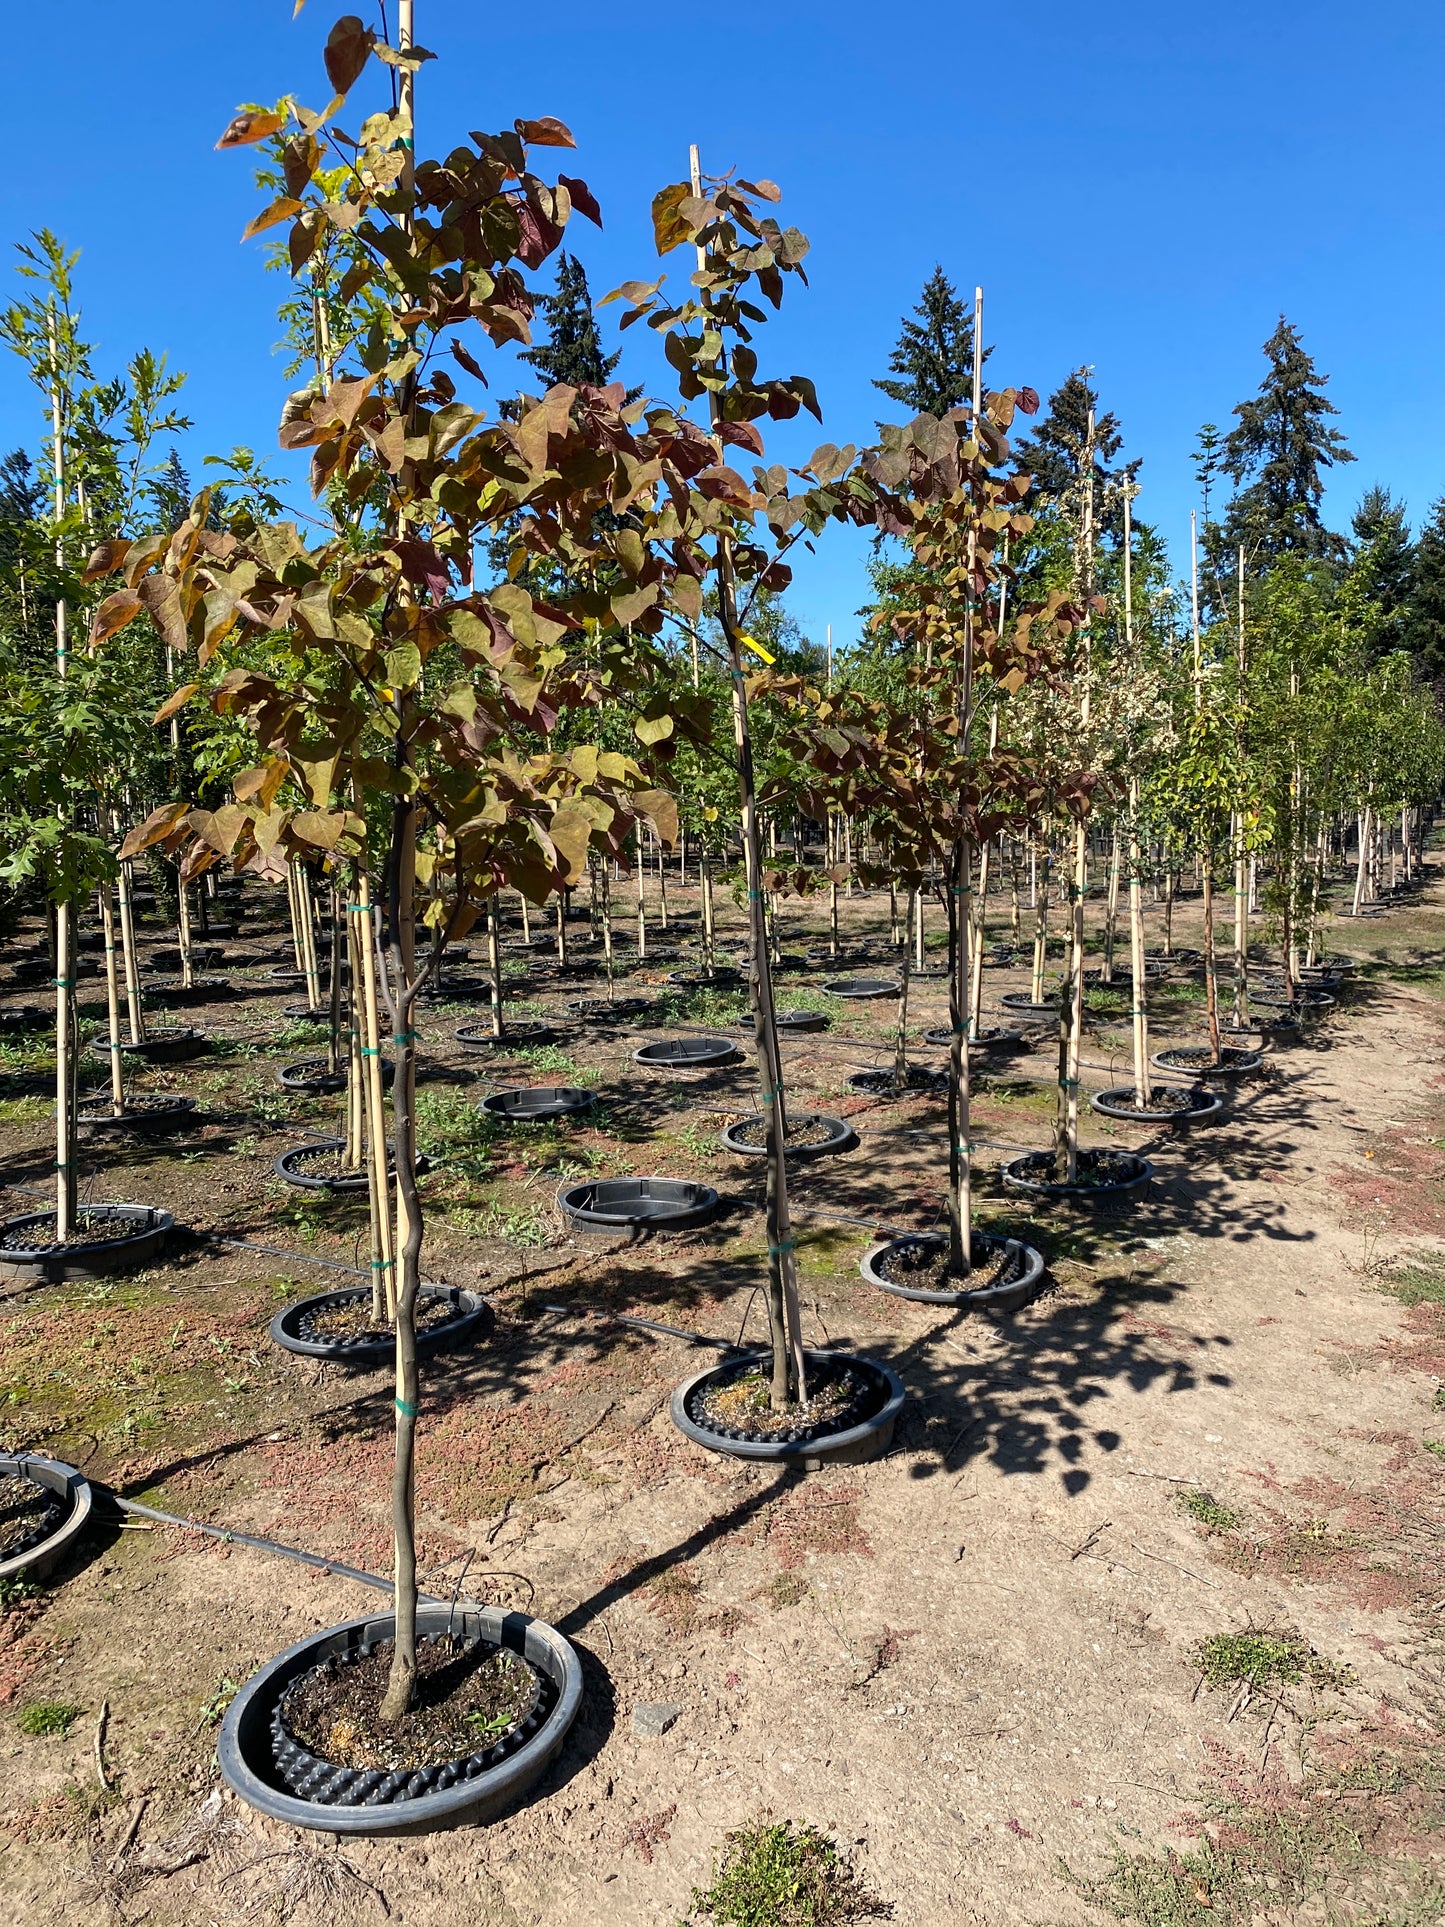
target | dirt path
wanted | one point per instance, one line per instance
(974, 1661)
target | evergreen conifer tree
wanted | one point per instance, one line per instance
(1053, 454)
(572, 352)
(933, 361)
(1383, 570)
(171, 492)
(1422, 624)
(1275, 454)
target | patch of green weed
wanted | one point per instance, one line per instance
(1206, 1511)
(1262, 1660)
(48, 1719)
(776, 1874)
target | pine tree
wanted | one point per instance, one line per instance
(1422, 625)
(1383, 569)
(572, 352)
(1275, 455)
(1056, 449)
(934, 356)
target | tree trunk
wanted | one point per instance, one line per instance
(1211, 988)
(960, 1149)
(112, 1002)
(1140, 1009)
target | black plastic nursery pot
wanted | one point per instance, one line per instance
(860, 1431)
(996, 1039)
(645, 1204)
(1105, 1176)
(791, 1023)
(316, 1166)
(1168, 1104)
(167, 960)
(144, 1114)
(843, 958)
(1304, 1003)
(1183, 958)
(1197, 1060)
(518, 1036)
(203, 990)
(687, 1053)
(313, 1077)
(537, 1103)
(1010, 1272)
(618, 1010)
(810, 1135)
(120, 1236)
(161, 1047)
(918, 1082)
(57, 1501)
(1021, 1001)
(25, 1017)
(863, 989)
(721, 977)
(265, 1766)
(299, 1327)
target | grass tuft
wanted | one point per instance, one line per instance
(1262, 1660)
(1207, 1513)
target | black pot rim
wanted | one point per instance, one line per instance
(1005, 1297)
(721, 1050)
(571, 1202)
(843, 1138)
(164, 1109)
(80, 1258)
(1252, 1060)
(472, 1308)
(1109, 1104)
(310, 1074)
(805, 1022)
(60, 1479)
(586, 1099)
(245, 1730)
(528, 1031)
(851, 988)
(875, 1431)
(1015, 1180)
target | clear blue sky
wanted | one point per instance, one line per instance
(1142, 188)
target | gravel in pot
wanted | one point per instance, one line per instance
(338, 1325)
(1197, 1060)
(501, 1686)
(1104, 1174)
(1005, 1275)
(143, 1113)
(917, 1081)
(1168, 1104)
(652, 1204)
(687, 1053)
(535, 1103)
(853, 1404)
(521, 1035)
(810, 1135)
(44, 1508)
(108, 1238)
(863, 989)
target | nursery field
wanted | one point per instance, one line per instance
(1138, 1617)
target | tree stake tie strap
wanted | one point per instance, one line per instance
(788, 1244)
(63, 983)
(772, 1096)
(406, 1408)
(403, 1037)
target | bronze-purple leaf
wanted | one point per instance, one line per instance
(582, 198)
(347, 47)
(255, 124)
(545, 132)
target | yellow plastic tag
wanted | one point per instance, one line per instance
(757, 649)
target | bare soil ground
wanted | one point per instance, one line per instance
(975, 1661)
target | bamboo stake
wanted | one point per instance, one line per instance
(112, 1002)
